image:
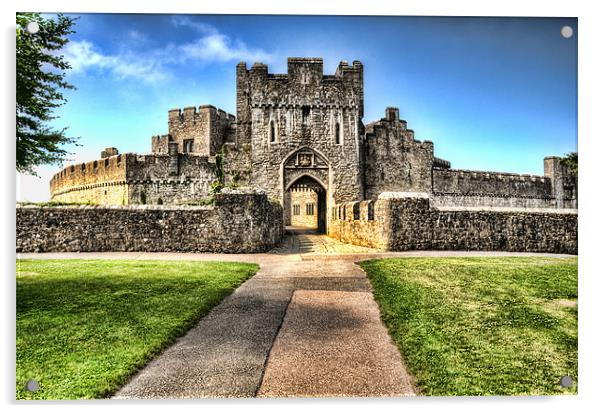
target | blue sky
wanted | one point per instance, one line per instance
(491, 93)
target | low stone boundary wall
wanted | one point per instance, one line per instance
(409, 222)
(359, 223)
(236, 223)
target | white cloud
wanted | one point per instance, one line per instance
(185, 21)
(214, 46)
(150, 66)
(83, 56)
(137, 36)
(219, 48)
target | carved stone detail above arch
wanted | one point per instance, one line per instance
(306, 158)
(305, 162)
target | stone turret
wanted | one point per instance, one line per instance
(199, 131)
(108, 152)
(564, 183)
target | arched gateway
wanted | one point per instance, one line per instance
(305, 177)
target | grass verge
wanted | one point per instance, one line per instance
(481, 326)
(85, 326)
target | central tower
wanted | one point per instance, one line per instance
(303, 124)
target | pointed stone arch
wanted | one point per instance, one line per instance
(309, 175)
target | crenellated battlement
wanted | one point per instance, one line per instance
(132, 178)
(483, 183)
(487, 175)
(305, 70)
(192, 113)
(160, 144)
(195, 130)
(304, 84)
(391, 126)
(111, 168)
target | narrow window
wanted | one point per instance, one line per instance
(305, 114)
(337, 134)
(188, 145)
(304, 78)
(106, 162)
(272, 132)
(309, 209)
(296, 209)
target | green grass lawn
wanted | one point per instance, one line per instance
(85, 326)
(481, 326)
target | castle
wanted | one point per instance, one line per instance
(300, 137)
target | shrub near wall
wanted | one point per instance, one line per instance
(239, 222)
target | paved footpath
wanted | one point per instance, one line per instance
(305, 325)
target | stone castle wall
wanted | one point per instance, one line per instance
(160, 179)
(466, 182)
(409, 222)
(303, 198)
(237, 163)
(395, 161)
(501, 201)
(563, 183)
(360, 223)
(102, 182)
(137, 179)
(556, 189)
(239, 222)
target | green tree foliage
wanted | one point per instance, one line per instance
(40, 78)
(570, 162)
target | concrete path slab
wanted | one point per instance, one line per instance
(333, 343)
(224, 354)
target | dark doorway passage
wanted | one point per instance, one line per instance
(306, 205)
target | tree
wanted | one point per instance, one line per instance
(40, 78)
(570, 162)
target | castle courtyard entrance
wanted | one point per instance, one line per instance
(305, 186)
(305, 205)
